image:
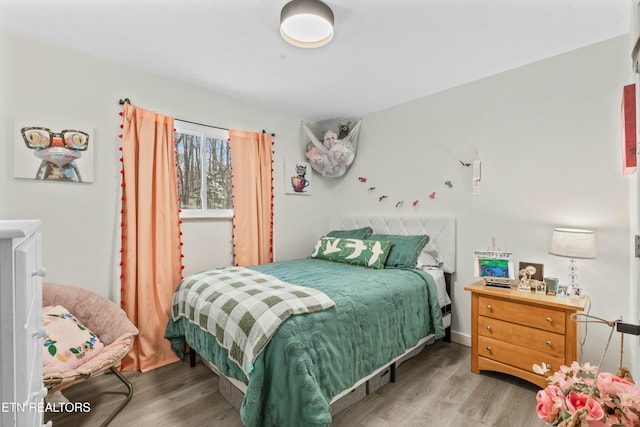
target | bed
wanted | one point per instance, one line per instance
(318, 363)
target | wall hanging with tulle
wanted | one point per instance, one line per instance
(332, 153)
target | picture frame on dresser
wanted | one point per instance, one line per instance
(536, 269)
(563, 291)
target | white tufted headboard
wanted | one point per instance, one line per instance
(441, 231)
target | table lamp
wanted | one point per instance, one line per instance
(575, 244)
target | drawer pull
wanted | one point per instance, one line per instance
(549, 319)
(489, 328)
(549, 343)
(489, 307)
(489, 348)
(41, 272)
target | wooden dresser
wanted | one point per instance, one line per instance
(511, 330)
(21, 332)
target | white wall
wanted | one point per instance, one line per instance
(548, 135)
(41, 81)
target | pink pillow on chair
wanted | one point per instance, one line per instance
(70, 343)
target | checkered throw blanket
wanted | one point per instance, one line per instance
(242, 308)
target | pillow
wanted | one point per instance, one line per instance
(356, 233)
(425, 259)
(430, 253)
(366, 253)
(70, 343)
(404, 249)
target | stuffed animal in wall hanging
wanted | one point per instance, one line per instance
(330, 138)
(332, 155)
(343, 130)
(315, 156)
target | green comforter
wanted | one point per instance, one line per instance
(313, 357)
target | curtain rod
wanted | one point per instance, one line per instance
(128, 101)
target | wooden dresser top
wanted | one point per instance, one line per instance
(513, 294)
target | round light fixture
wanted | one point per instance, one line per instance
(306, 23)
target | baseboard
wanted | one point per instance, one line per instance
(460, 338)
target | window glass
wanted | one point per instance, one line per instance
(204, 169)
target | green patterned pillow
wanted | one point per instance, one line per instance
(366, 253)
(356, 233)
(404, 249)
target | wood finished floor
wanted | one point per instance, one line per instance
(435, 388)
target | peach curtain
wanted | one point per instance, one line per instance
(151, 247)
(252, 183)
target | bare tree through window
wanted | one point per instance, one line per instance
(204, 169)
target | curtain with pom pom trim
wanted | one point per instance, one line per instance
(151, 244)
(252, 189)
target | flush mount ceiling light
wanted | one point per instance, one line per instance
(306, 23)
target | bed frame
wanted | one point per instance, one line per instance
(442, 233)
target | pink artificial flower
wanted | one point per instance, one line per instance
(616, 401)
(576, 401)
(547, 407)
(613, 385)
(630, 398)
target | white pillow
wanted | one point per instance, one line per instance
(425, 259)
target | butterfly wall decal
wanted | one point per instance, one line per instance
(464, 163)
(415, 203)
(381, 198)
(399, 204)
(448, 184)
(362, 179)
(432, 196)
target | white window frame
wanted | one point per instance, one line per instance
(203, 132)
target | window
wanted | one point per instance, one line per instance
(204, 169)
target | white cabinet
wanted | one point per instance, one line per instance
(21, 333)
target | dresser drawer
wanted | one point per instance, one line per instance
(524, 336)
(523, 314)
(515, 355)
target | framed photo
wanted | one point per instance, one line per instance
(296, 177)
(53, 150)
(541, 287)
(536, 270)
(563, 291)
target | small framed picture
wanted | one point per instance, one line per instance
(563, 291)
(541, 287)
(536, 270)
(296, 177)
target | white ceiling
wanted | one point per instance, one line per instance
(384, 52)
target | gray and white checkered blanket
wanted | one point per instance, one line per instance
(242, 308)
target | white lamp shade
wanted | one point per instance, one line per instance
(306, 23)
(573, 243)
